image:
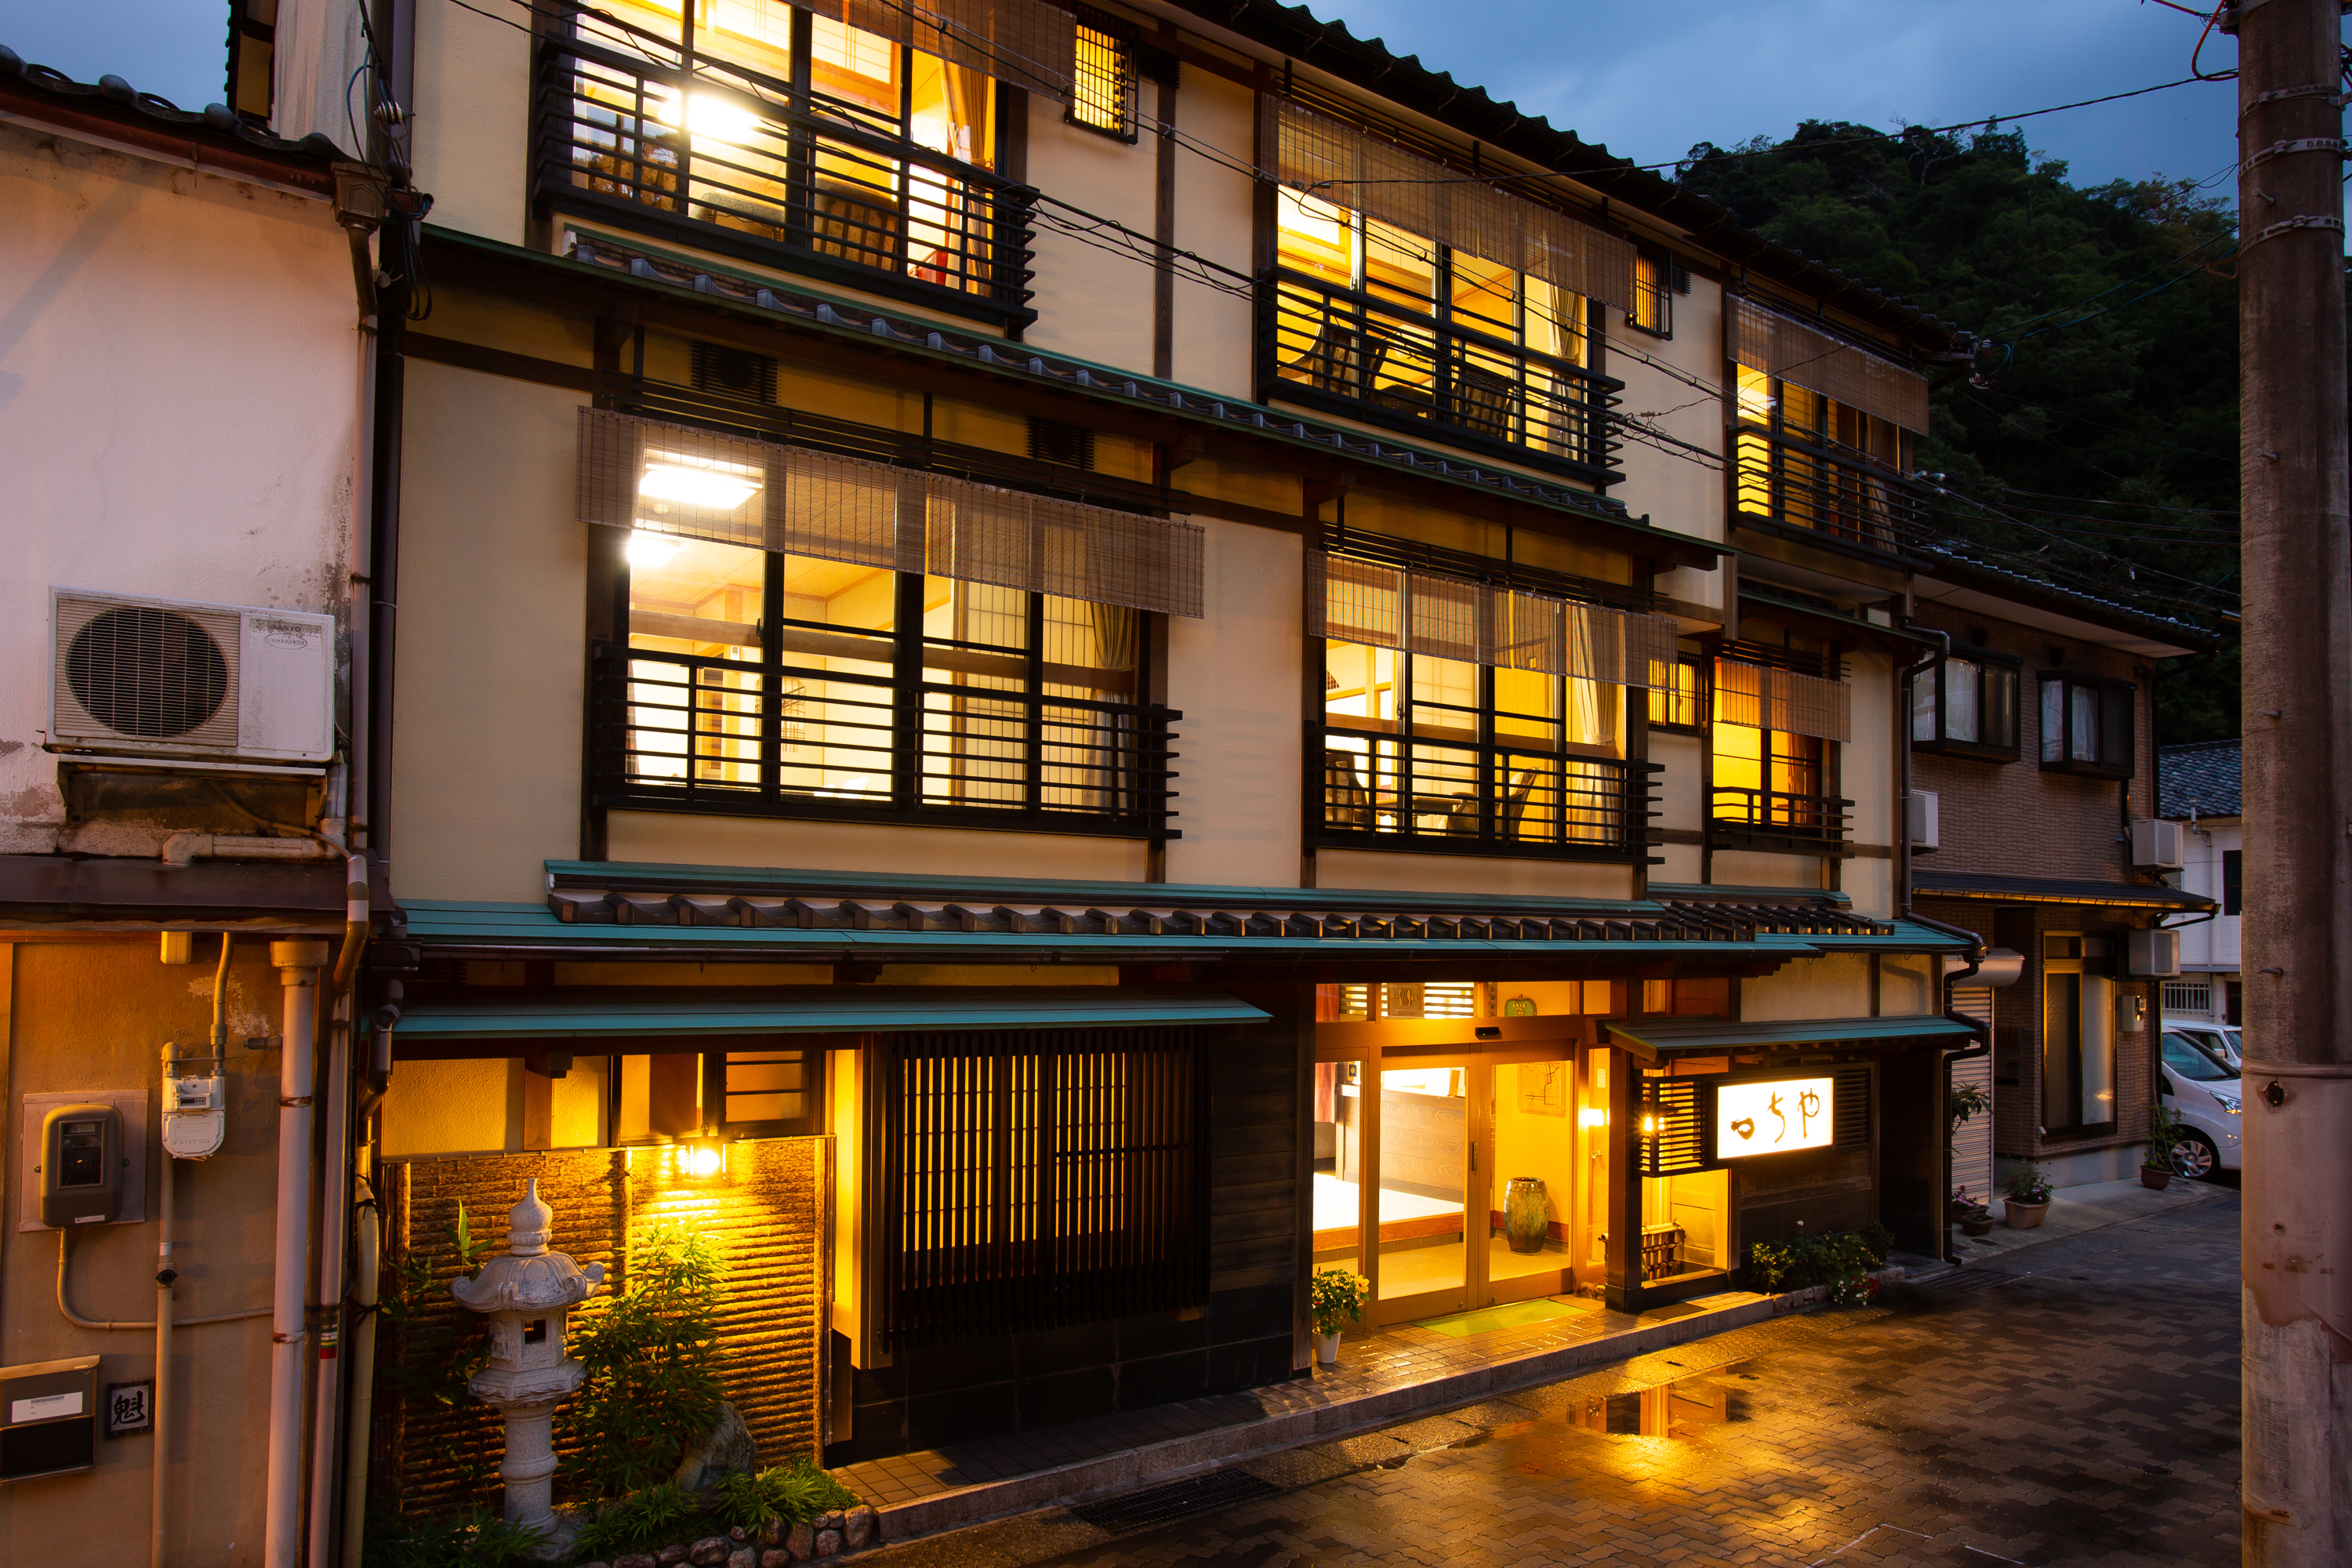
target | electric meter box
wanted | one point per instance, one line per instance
(196, 1110)
(82, 1165)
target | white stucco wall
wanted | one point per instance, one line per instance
(180, 367)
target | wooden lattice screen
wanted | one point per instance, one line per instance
(1673, 1136)
(765, 1217)
(1036, 1181)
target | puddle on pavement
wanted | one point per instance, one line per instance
(1680, 1409)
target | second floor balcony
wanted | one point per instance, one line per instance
(1809, 482)
(1375, 786)
(749, 167)
(1349, 351)
(970, 739)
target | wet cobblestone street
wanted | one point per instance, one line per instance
(2070, 1404)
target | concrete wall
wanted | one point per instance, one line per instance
(471, 144)
(1091, 302)
(1234, 675)
(1213, 205)
(179, 397)
(93, 1014)
(1834, 985)
(493, 665)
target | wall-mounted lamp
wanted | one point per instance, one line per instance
(1594, 1116)
(1649, 1126)
(702, 1159)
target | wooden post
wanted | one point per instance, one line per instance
(1624, 1251)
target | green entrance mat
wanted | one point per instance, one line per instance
(1510, 1315)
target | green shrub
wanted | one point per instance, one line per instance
(483, 1539)
(652, 1382)
(1817, 1259)
(642, 1522)
(794, 1493)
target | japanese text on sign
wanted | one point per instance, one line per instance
(1772, 1118)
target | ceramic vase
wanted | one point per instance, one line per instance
(1526, 1213)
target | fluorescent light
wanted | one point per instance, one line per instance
(697, 481)
(651, 549)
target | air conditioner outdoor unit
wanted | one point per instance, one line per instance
(1922, 818)
(2154, 954)
(165, 679)
(2156, 843)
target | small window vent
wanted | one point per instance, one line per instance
(1050, 441)
(734, 373)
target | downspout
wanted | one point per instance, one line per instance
(1977, 1046)
(299, 964)
(368, 1223)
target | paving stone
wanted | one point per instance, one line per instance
(2055, 1416)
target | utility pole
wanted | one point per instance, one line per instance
(2296, 1236)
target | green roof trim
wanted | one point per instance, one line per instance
(504, 1013)
(1664, 1038)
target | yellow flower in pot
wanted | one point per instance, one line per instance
(1337, 1296)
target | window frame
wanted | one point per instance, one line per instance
(1120, 39)
(2114, 694)
(2233, 881)
(1986, 661)
(1148, 724)
(1654, 276)
(1702, 697)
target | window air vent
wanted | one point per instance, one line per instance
(734, 373)
(1050, 441)
(159, 677)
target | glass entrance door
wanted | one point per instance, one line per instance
(1426, 1193)
(1471, 1199)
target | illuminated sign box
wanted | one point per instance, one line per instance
(1773, 1118)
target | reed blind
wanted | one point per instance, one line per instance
(1037, 1180)
(636, 472)
(1349, 167)
(1506, 628)
(1766, 699)
(1023, 43)
(1779, 345)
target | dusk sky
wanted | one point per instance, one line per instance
(1646, 80)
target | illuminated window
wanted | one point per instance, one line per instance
(1965, 703)
(1678, 697)
(1653, 299)
(853, 49)
(1103, 90)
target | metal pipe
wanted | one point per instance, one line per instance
(139, 1325)
(335, 1200)
(159, 1456)
(360, 1414)
(299, 964)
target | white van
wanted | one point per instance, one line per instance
(2201, 1082)
(2223, 1041)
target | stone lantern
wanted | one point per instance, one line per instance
(528, 1293)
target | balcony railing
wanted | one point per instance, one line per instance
(1344, 350)
(1383, 790)
(674, 731)
(1827, 488)
(748, 166)
(1778, 817)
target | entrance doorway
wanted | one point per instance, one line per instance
(1424, 1152)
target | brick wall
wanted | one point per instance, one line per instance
(2012, 817)
(765, 1217)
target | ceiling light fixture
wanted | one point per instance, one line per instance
(697, 481)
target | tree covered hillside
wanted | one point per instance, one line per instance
(2095, 442)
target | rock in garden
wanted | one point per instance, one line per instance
(772, 1533)
(709, 1552)
(726, 1449)
(829, 1521)
(860, 1525)
(828, 1544)
(636, 1560)
(775, 1557)
(744, 1557)
(802, 1542)
(737, 1532)
(671, 1556)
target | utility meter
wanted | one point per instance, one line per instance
(82, 1165)
(195, 1107)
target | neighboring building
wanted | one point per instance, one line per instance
(182, 424)
(1050, 668)
(2034, 733)
(2199, 787)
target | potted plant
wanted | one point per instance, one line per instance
(2165, 1135)
(2029, 1197)
(1338, 1297)
(1973, 1215)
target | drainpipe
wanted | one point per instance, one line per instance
(298, 971)
(1977, 1046)
(335, 1209)
(368, 1224)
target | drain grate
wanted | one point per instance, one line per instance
(1177, 1499)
